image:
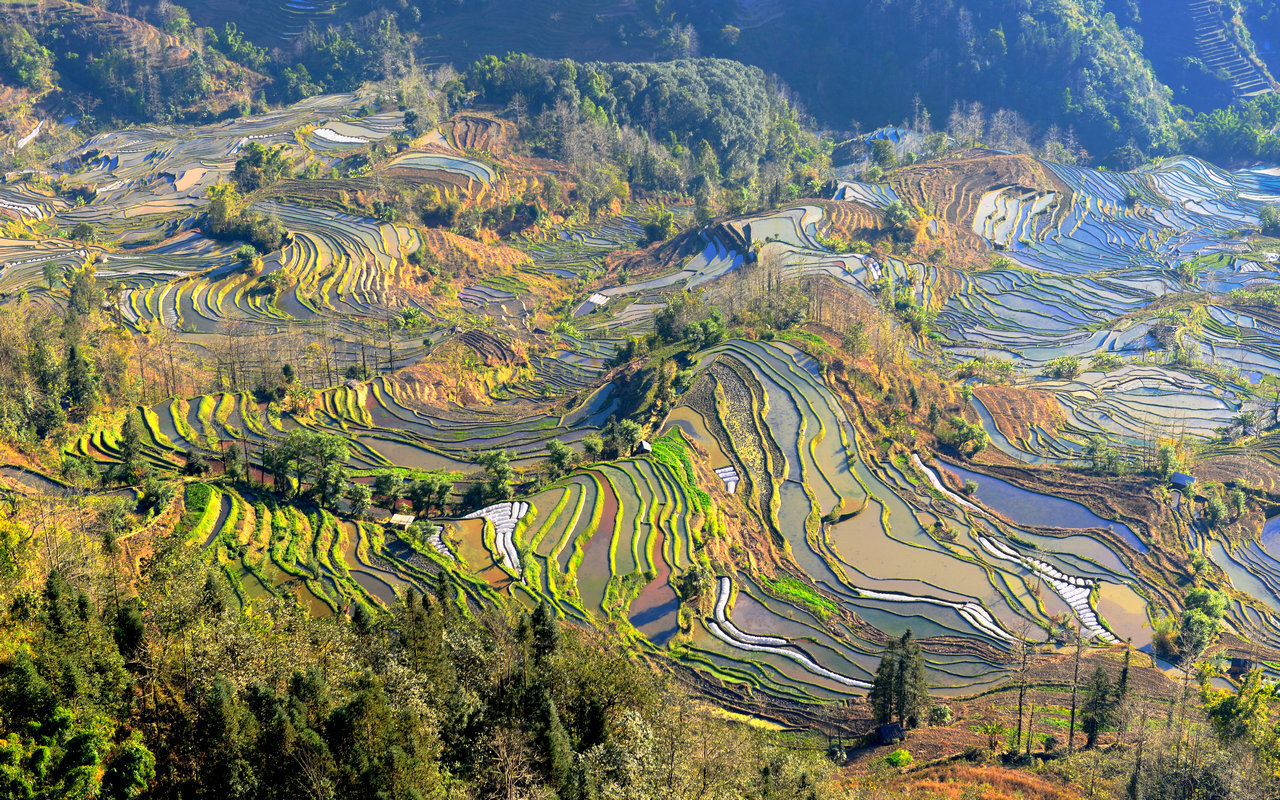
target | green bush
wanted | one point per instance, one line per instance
(940, 715)
(1062, 367)
(899, 758)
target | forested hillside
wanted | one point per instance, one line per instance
(1066, 70)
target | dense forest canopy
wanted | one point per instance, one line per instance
(1077, 67)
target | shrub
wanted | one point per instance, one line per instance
(84, 232)
(899, 758)
(1105, 362)
(1269, 219)
(1062, 367)
(939, 715)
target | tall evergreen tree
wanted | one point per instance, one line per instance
(130, 449)
(1099, 706)
(900, 688)
(581, 786)
(82, 382)
(884, 684)
(546, 632)
(913, 685)
(557, 751)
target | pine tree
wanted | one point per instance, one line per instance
(1098, 706)
(546, 633)
(1075, 689)
(1122, 685)
(884, 686)
(555, 743)
(82, 383)
(913, 685)
(130, 450)
(580, 786)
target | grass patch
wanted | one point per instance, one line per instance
(792, 590)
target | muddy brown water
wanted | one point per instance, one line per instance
(594, 571)
(656, 612)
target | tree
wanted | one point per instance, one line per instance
(883, 154)
(1062, 367)
(156, 494)
(432, 489)
(619, 439)
(82, 383)
(1201, 621)
(1167, 461)
(556, 750)
(994, 731)
(900, 688)
(130, 772)
(1078, 642)
(388, 488)
(561, 458)
(84, 232)
(898, 215)
(196, 465)
(260, 166)
(884, 686)
(52, 274)
(661, 225)
(1099, 706)
(360, 497)
(83, 296)
(1237, 503)
(1243, 716)
(1024, 658)
(913, 693)
(1102, 457)
(1269, 220)
(497, 466)
(234, 466)
(1215, 511)
(130, 451)
(546, 632)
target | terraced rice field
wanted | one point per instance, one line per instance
(856, 546)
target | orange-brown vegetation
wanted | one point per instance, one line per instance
(477, 132)
(849, 220)
(456, 373)
(1251, 470)
(977, 782)
(955, 186)
(466, 259)
(1017, 410)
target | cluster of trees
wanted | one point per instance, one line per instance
(1104, 459)
(1241, 132)
(424, 492)
(1269, 220)
(108, 71)
(58, 370)
(966, 438)
(25, 61)
(1066, 62)
(900, 689)
(259, 166)
(225, 218)
(312, 465)
(175, 692)
(1062, 367)
(900, 300)
(688, 126)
